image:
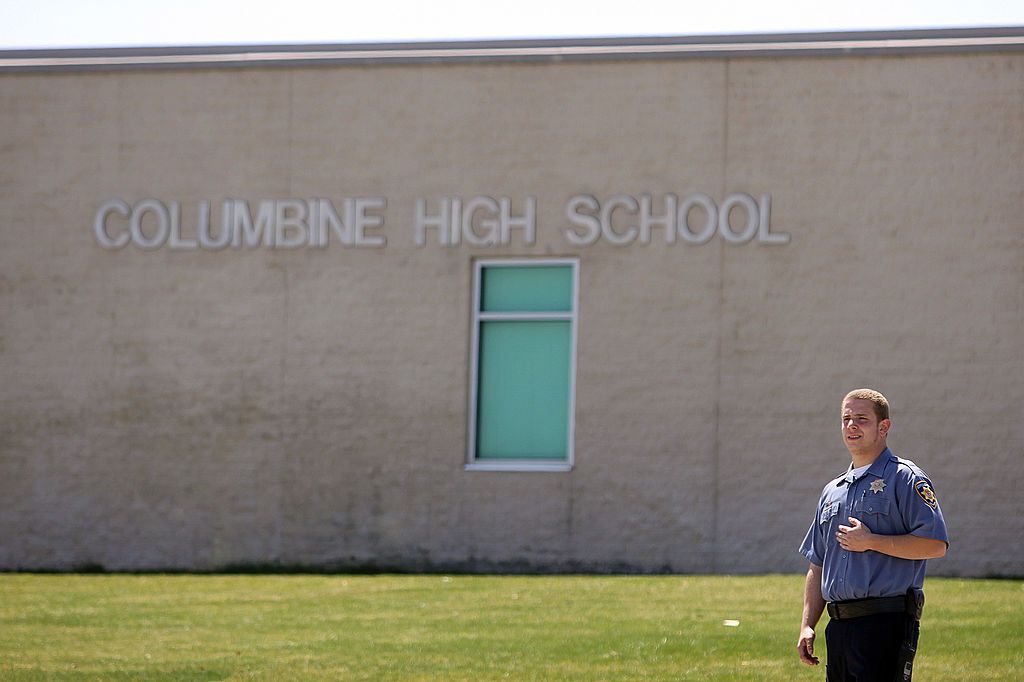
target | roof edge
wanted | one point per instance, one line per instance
(844, 43)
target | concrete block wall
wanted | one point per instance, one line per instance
(194, 410)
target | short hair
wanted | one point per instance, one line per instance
(878, 400)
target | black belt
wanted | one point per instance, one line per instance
(858, 608)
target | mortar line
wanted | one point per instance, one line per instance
(716, 460)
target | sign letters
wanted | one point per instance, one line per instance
(448, 222)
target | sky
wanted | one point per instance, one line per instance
(120, 23)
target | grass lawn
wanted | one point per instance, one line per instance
(387, 627)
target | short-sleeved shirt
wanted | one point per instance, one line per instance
(893, 497)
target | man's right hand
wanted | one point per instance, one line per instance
(805, 646)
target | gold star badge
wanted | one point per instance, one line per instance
(877, 486)
(924, 489)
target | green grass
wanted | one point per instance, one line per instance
(180, 627)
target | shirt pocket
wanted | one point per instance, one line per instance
(875, 514)
(868, 506)
(828, 512)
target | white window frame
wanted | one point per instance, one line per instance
(472, 464)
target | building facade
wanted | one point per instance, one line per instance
(518, 306)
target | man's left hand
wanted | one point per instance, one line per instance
(856, 537)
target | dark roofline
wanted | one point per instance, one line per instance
(953, 40)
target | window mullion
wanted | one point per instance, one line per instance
(527, 316)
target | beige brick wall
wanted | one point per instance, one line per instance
(175, 409)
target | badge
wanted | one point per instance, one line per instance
(924, 489)
(877, 486)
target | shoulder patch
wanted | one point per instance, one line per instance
(924, 490)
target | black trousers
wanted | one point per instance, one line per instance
(867, 649)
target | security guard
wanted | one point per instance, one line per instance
(867, 545)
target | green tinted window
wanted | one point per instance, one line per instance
(523, 390)
(545, 288)
(525, 330)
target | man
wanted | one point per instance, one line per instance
(867, 545)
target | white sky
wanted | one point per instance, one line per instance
(98, 23)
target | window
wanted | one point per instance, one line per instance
(522, 377)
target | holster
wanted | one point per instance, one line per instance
(908, 648)
(915, 603)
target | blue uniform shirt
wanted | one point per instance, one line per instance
(893, 497)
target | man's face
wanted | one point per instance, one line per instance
(862, 432)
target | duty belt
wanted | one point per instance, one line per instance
(857, 608)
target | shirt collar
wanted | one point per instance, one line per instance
(877, 467)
